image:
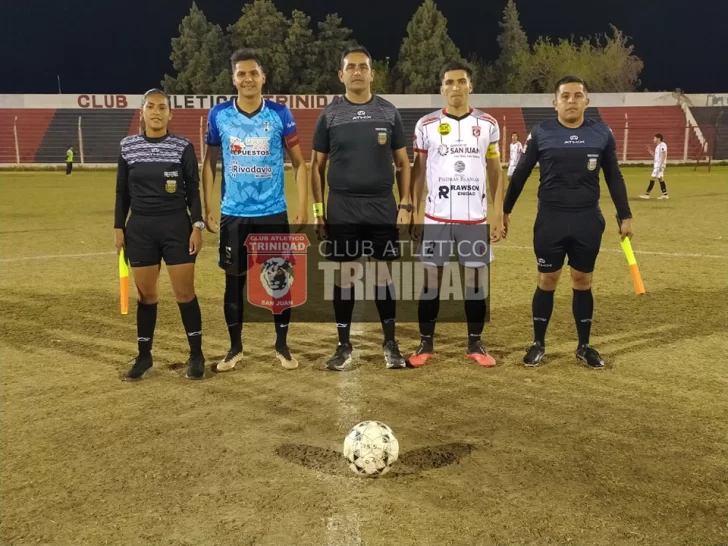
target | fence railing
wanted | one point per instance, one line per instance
(95, 143)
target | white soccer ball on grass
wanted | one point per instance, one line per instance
(371, 449)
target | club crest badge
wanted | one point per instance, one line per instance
(170, 186)
(382, 138)
(476, 131)
(592, 164)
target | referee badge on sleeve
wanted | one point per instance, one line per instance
(592, 163)
(170, 186)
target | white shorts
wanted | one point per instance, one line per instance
(511, 168)
(441, 240)
(658, 172)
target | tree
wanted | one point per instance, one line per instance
(424, 50)
(484, 75)
(382, 83)
(300, 48)
(608, 68)
(331, 41)
(512, 42)
(263, 30)
(200, 56)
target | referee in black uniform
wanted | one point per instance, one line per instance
(570, 151)
(158, 179)
(361, 135)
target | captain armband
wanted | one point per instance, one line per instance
(318, 210)
(492, 151)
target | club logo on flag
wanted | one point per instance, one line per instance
(476, 131)
(170, 186)
(277, 270)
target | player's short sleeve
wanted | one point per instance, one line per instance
(321, 142)
(399, 140)
(290, 131)
(493, 141)
(419, 143)
(213, 133)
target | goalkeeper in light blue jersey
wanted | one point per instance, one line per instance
(254, 134)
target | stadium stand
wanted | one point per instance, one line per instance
(644, 122)
(44, 133)
(102, 131)
(713, 121)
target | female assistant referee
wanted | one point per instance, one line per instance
(158, 179)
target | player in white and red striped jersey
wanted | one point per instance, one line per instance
(456, 153)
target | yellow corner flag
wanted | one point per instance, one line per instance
(124, 282)
(639, 288)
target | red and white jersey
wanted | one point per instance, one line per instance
(515, 153)
(456, 150)
(660, 154)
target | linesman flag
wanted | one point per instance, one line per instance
(634, 269)
(124, 282)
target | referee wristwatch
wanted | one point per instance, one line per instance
(408, 208)
(199, 225)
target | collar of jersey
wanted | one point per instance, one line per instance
(457, 118)
(359, 103)
(249, 114)
(154, 140)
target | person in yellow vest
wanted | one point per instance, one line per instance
(69, 160)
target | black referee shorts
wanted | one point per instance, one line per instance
(234, 230)
(576, 234)
(361, 226)
(151, 239)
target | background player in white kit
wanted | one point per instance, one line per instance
(456, 152)
(515, 153)
(658, 169)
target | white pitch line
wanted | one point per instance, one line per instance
(51, 256)
(496, 248)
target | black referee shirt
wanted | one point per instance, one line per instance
(359, 139)
(157, 176)
(570, 161)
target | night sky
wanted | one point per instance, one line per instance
(124, 47)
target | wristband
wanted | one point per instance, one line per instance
(318, 210)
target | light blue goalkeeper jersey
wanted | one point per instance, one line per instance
(253, 152)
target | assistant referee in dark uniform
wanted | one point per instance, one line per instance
(570, 150)
(158, 179)
(361, 135)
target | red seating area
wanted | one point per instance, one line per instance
(32, 125)
(644, 122)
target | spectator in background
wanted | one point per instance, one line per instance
(69, 160)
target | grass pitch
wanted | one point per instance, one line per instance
(634, 454)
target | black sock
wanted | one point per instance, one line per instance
(542, 307)
(427, 311)
(146, 321)
(281, 323)
(583, 307)
(343, 311)
(652, 185)
(387, 307)
(233, 306)
(475, 312)
(663, 187)
(192, 320)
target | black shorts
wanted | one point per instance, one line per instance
(151, 239)
(576, 234)
(234, 230)
(361, 226)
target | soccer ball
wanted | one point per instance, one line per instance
(371, 449)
